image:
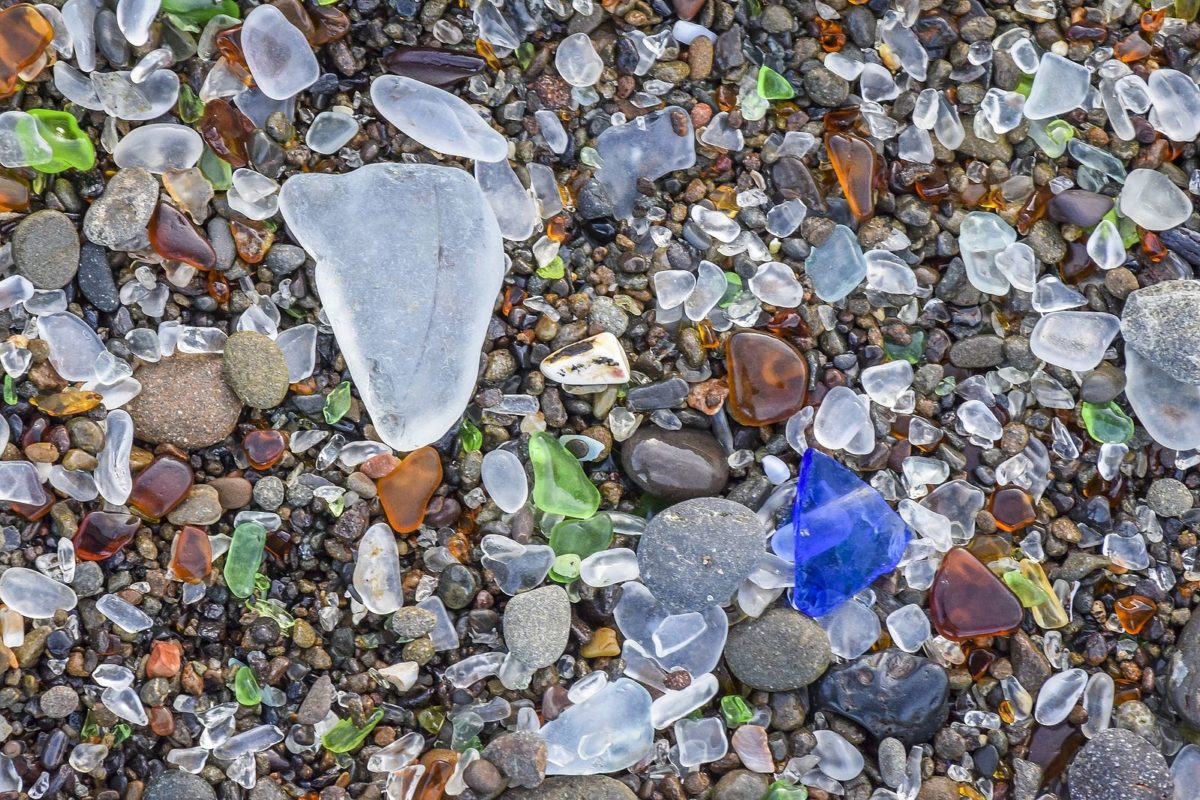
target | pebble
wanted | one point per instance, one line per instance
(317, 702)
(1119, 765)
(95, 278)
(256, 369)
(890, 693)
(412, 622)
(675, 465)
(232, 492)
(978, 352)
(698, 552)
(537, 624)
(185, 401)
(176, 785)
(270, 492)
(45, 249)
(201, 506)
(1183, 684)
(59, 702)
(826, 88)
(521, 756)
(1162, 322)
(574, 787)
(118, 219)
(780, 650)
(1168, 497)
(741, 784)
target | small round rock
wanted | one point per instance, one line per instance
(537, 625)
(185, 402)
(780, 650)
(256, 369)
(1119, 765)
(59, 702)
(176, 785)
(45, 249)
(1168, 497)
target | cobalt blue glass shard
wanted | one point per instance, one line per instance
(846, 535)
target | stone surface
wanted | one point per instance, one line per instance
(574, 787)
(410, 329)
(119, 218)
(1183, 681)
(45, 249)
(255, 369)
(1119, 765)
(176, 785)
(184, 401)
(890, 693)
(675, 465)
(780, 650)
(536, 625)
(1162, 322)
(520, 756)
(698, 552)
(95, 278)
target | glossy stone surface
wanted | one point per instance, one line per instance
(406, 490)
(410, 329)
(768, 378)
(967, 600)
(675, 465)
(845, 535)
(436, 66)
(889, 693)
(102, 534)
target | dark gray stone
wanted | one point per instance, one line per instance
(978, 352)
(317, 702)
(698, 552)
(1162, 322)
(1119, 765)
(653, 396)
(780, 650)
(537, 624)
(675, 465)
(176, 785)
(45, 249)
(1183, 683)
(96, 279)
(890, 693)
(1169, 497)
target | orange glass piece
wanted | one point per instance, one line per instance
(405, 491)
(1012, 508)
(1132, 48)
(988, 547)
(1151, 21)
(14, 194)
(225, 130)
(1153, 246)
(191, 555)
(1033, 209)
(830, 35)
(228, 42)
(67, 402)
(433, 783)
(264, 448)
(174, 236)
(252, 239)
(35, 511)
(102, 534)
(331, 24)
(558, 228)
(24, 36)
(1134, 611)
(218, 287)
(160, 487)
(768, 378)
(967, 600)
(165, 660)
(489, 55)
(855, 164)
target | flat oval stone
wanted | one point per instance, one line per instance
(184, 401)
(890, 693)
(599, 359)
(1183, 685)
(1117, 764)
(698, 552)
(537, 624)
(119, 218)
(410, 328)
(675, 465)
(768, 378)
(1079, 207)
(45, 249)
(779, 651)
(256, 369)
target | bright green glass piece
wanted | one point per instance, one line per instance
(470, 436)
(782, 790)
(735, 711)
(1028, 592)
(344, 736)
(773, 86)
(560, 486)
(193, 14)
(524, 54)
(216, 170)
(554, 270)
(565, 568)
(582, 537)
(244, 556)
(337, 402)
(10, 391)
(431, 720)
(733, 287)
(1107, 423)
(189, 107)
(120, 732)
(1025, 85)
(245, 687)
(71, 147)
(912, 352)
(274, 610)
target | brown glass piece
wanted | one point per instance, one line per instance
(406, 490)
(14, 194)
(1012, 508)
(988, 547)
(1052, 747)
(1077, 264)
(218, 287)
(35, 511)
(191, 555)
(252, 239)
(855, 164)
(1134, 611)
(174, 236)
(228, 42)
(433, 65)
(225, 130)
(768, 378)
(102, 534)
(160, 487)
(979, 661)
(264, 448)
(967, 600)
(687, 9)
(24, 36)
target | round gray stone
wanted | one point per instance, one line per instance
(698, 552)
(58, 702)
(741, 784)
(575, 787)
(537, 624)
(45, 249)
(1119, 765)
(978, 352)
(780, 650)
(119, 218)
(185, 402)
(1168, 497)
(256, 369)
(1162, 322)
(176, 785)
(675, 465)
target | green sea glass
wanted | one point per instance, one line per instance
(71, 147)
(244, 556)
(773, 86)
(344, 736)
(560, 486)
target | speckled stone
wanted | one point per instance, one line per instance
(1168, 497)
(575, 787)
(537, 624)
(256, 369)
(45, 249)
(1119, 765)
(1183, 683)
(176, 785)
(184, 401)
(780, 650)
